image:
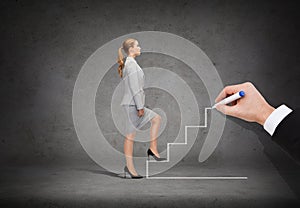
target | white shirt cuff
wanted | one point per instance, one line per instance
(275, 118)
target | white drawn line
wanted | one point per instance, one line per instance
(184, 143)
(202, 178)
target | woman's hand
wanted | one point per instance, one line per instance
(140, 112)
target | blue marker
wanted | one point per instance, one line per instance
(230, 99)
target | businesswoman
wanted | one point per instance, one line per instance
(133, 103)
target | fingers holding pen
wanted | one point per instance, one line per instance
(253, 107)
(228, 90)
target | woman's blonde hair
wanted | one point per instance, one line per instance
(125, 46)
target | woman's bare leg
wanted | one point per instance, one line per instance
(128, 151)
(155, 124)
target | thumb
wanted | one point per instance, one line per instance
(225, 109)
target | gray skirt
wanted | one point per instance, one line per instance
(133, 121)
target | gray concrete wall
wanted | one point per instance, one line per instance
(45, 43)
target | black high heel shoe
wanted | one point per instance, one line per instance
(131, 176)
(149, 152)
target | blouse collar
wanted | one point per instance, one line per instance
(131, 58)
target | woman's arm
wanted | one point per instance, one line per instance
(135, 86)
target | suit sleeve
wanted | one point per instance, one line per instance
(135, 86)
(287, 134)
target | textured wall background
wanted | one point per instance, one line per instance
(45, 43)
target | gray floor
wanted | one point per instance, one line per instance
(92, 186)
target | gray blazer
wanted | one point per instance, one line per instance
(133, 79)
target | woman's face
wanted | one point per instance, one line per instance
(135, 50)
